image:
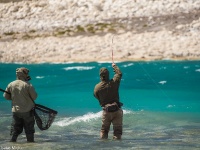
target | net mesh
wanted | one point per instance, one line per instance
(44, 116)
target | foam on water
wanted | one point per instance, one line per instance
(72, 120)
(186, 67)
(128, 65)
(79, 68)
(85, 118)
(39, 77)
(197, 70)
(162, 82)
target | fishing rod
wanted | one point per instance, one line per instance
(4, 91)
(112, 49)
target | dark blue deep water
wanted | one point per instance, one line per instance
(161, 105)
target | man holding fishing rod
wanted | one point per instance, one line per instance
(106, 92)
(22, 94)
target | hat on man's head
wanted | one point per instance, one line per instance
(22, 70)
(22, 73)
(104, 73)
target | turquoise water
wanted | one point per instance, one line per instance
(161, 105)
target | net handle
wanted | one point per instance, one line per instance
(10, 93)
(36, 105)
(4, 91)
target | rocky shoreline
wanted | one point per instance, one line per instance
(49, 31)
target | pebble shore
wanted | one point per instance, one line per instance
(60, 31)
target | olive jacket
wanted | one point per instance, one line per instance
(106, 91)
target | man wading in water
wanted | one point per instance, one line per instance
(106, 91)
(22, 94)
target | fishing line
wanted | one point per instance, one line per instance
(148, 74)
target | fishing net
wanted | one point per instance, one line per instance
(44, 116)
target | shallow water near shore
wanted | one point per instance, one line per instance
(161, 105)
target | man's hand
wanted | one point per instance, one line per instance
(113, 64)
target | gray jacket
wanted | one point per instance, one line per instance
(22, 95)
